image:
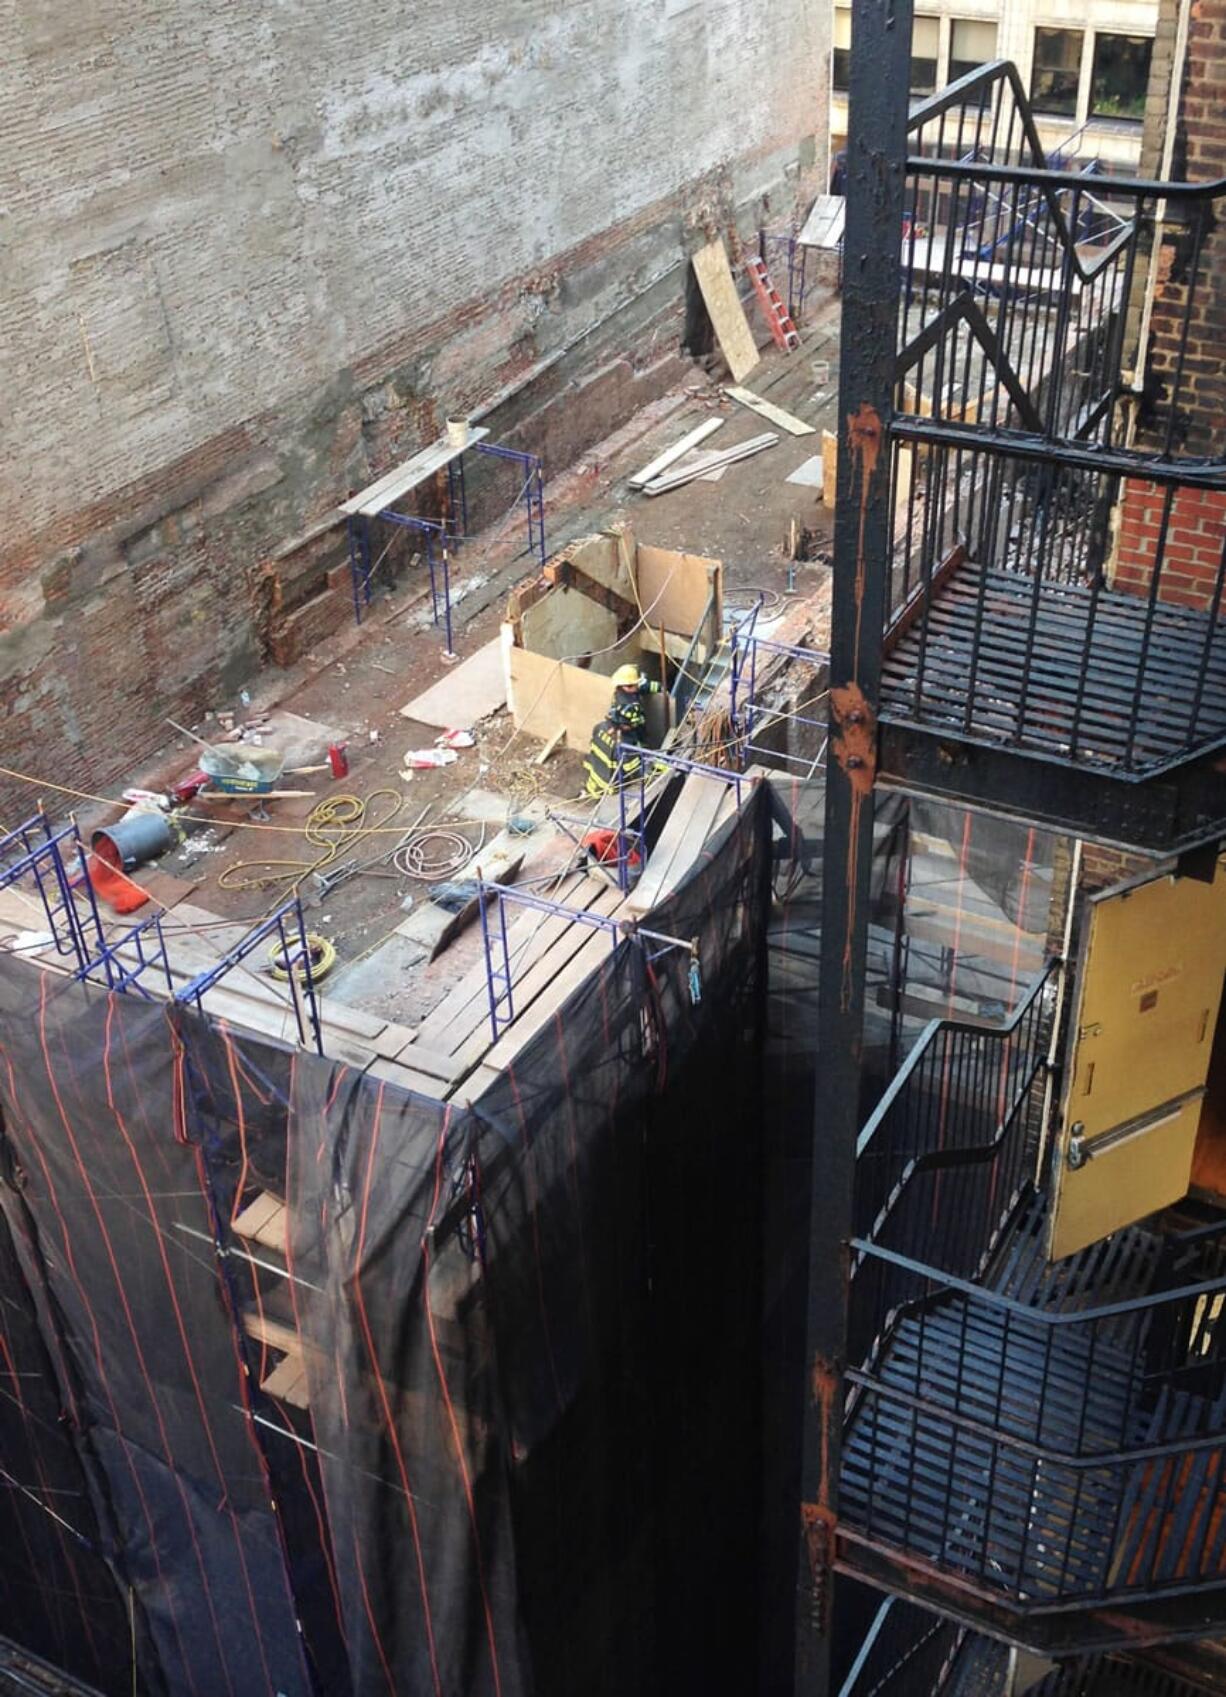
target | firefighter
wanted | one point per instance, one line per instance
(626, 720)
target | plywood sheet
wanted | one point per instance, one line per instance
(605, 560)
(674, 588)
(724, 306)
(545, 694)
(471, 691)
(566, 623)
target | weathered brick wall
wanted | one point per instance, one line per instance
(1192, 553)
(1196, 528)
(254, 254)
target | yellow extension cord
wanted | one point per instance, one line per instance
(336, 823)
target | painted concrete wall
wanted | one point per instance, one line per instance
(255, 251)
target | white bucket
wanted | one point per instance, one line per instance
(457, 432)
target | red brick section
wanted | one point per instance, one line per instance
(1196, 529)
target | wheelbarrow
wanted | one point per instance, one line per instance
(241, 770)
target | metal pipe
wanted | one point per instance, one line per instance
(876, 154)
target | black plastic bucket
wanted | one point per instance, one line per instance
(140, 837)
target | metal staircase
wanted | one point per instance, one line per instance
(1052, 645)
(1035, 1446)
(1021, 623)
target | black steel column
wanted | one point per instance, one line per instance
(876, 155)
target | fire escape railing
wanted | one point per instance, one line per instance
(1056, 1455)
(956, 1130)
(1043, 592)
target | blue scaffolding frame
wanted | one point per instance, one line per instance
(144, 946)
(634, 836)
(499, 977)
(33, 850)
(744, 711)
(447, 533)
(288, 924)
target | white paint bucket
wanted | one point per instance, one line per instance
(457, 432)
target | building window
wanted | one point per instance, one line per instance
(840, 69)
(925, 51)
(1121, 76)
(1057, 71)
(971, 44)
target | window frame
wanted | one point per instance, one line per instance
(1132, 119)
(970, 64)
(1082, 35)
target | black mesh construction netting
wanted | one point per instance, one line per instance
(474, 1407)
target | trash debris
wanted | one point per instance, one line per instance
(188, 786)
(455, 739)
(454, 896)
(146, 798)
(374, 736)
(244, 695)
(418, 758)
(27, 942)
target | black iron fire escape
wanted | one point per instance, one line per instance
(1038, 1452)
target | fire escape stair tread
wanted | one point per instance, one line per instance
(967, 662)
(1021, 1522)
(1172, 1521)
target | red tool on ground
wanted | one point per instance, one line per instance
(771, 301)
(605, 848)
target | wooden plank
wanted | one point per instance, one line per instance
(678, 449)
(266, 1221)
(546, 693)
(768, 410)
(499, 863)
(406, 1078)
(723, 304)
(256, 1214)
(434, 927)
(536, 980)
(476, 1084)
(830, 469)
(592, 951)
(717, 460)
(434, 1063)
(264, 1328)
(410, 474)
(684, 833)
(525, 934)
(287, 1382)
(473, 690)
(537, 944)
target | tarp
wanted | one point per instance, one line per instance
(528, 1332)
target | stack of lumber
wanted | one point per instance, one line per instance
(550, 955)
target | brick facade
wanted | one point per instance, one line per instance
(1196, 530)
(253, 258)
(1196, 526)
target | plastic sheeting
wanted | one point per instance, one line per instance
(528, 1333)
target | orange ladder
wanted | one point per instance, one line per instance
(771, 301)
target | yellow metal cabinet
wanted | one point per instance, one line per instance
(1149, 984)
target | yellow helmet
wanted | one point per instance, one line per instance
(627, 677)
